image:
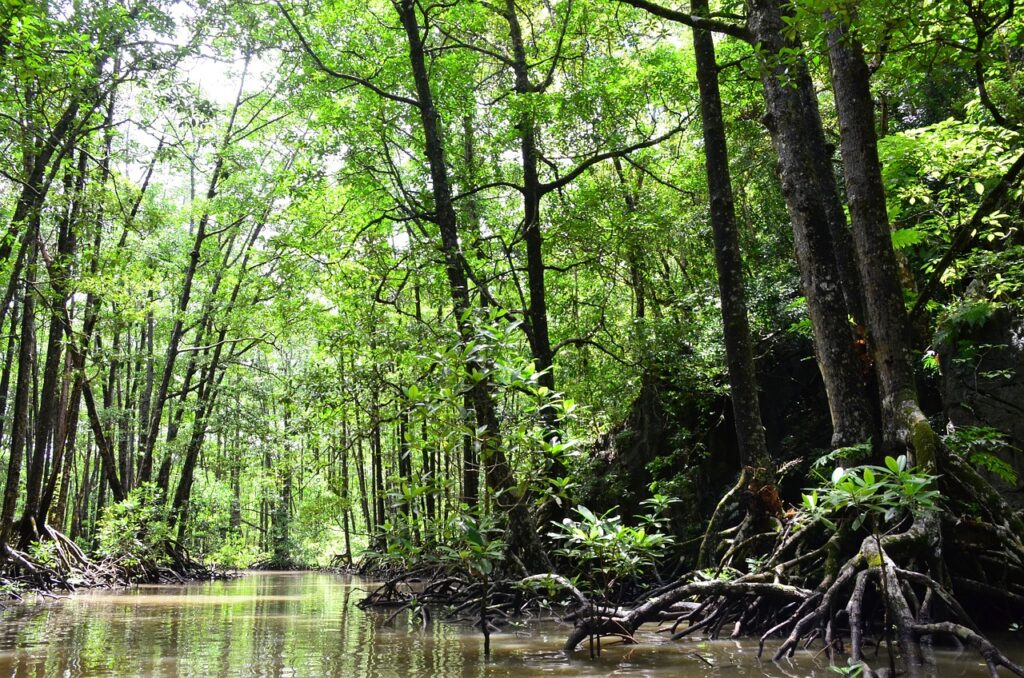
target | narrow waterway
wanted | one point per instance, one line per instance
(306, 624)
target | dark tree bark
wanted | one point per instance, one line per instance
(886, 314)
(22, 396)
(364, 486)
(808, 187)
(533, 193)
(346, 498)
(103, 448)
(9, 363)
(788, 96)
(377, 462)
(37, 503)
(728, 259)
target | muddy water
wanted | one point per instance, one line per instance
(284, 624)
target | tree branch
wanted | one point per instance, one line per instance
(338, 74)
(549, 186)
(692, 20)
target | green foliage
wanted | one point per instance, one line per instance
(966, 313)
(936, 177)
(234, 553)
(981, 445)
(891, 493)
(852, 669)
(135, 533)
(318, 330)
(43, 552)
(478, 548)
(844, 455)
(606, 551)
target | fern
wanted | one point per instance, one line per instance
(980, 445)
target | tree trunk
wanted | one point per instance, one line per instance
(537, 311)
(177, 330)
(522, 537)
(5, 379)
(886, 315)
(792, 127)
(728, 259)
(22, 395)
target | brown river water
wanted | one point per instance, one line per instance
(306, 624)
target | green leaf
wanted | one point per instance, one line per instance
(907, 237)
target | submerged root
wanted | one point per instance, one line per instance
(459, 598)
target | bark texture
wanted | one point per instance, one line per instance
(788, 96)
(886, 315)
(728, 259)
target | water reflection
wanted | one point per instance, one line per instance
(285, 624)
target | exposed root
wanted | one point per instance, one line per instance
(67, 568)
(804, 594)
(992, 656)
(709, 544)
(459, 598)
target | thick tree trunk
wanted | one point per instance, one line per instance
(792, 127)
(886, 315)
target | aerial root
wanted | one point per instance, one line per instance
(424, 591)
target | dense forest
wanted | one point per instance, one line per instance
(707, 313)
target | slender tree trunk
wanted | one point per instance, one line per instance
(82, 495)
(364, 490)
(377, 465)
(5, 378)
(177, 330)
(146, 396)
(364, 496)
(728, 259)
(522, 537)
(37, 502)
(106, 452)
(346, 498)
(537, 312)
(22, 395)
(405, 456)
(211, 380)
